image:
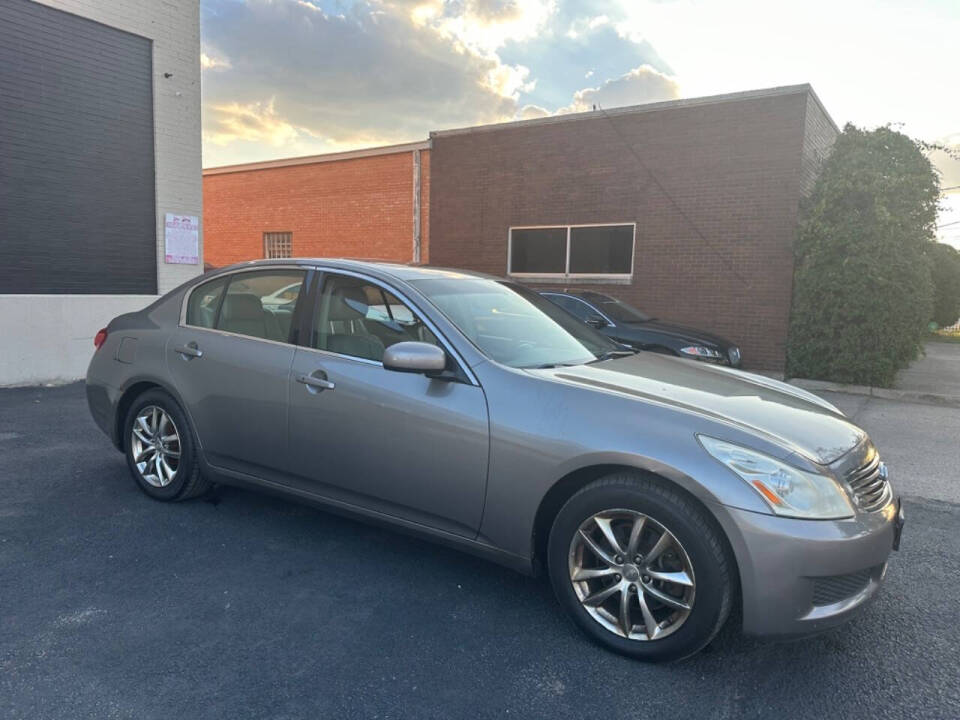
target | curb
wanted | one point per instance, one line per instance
(883, 393)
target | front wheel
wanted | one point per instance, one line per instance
(640, 568)
(160, 448)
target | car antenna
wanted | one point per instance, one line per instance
(676, 205)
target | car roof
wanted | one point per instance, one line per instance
(397, 271)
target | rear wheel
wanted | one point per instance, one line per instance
(640, 568)
(160, 448)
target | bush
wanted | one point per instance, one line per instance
(863, 293)
(945, 270)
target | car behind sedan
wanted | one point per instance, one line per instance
(629, 326)
(656, 494)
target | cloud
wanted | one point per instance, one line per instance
(252, 122)
(579, 37)
(640, 85)
(212, 62)
(484, 26)
(283, 77)
(383, 71)
(585, 25)
(530, 112)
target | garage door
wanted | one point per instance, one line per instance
(77, 205)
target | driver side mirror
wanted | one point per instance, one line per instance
(415, 357)
(597, 322)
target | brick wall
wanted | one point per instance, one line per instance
(732, 166)
(356, 207)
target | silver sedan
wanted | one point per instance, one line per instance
(655, 492)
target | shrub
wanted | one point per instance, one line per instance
(945, 271)
(862, 286)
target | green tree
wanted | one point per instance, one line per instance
(862, 287)
(945, 270)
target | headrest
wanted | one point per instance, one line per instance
(242, 306)
(347, 303)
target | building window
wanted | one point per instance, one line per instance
(571, 251)
(277, 245)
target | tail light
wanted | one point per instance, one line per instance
(100, 338)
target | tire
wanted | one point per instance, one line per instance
(186, 481)
(698, 596)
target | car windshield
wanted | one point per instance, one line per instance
(513, 325)
(618, 310)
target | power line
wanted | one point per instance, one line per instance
(676, 205)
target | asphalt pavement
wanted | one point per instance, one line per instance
(248, 606)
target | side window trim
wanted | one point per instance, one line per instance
(223, 295)
(324, 273)
(302, 327)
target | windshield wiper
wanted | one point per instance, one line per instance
(610, 354)
(548, 366)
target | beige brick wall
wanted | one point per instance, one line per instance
(174, 28)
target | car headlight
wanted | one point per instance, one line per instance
(700, 351)
(788, 491)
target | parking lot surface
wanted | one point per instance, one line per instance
(247, 606)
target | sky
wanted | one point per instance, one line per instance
(283, 78)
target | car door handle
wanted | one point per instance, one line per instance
(189, 351)
(312, 381)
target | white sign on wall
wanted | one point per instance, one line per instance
(182, 239)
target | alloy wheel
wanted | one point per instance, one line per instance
(631, 575)
(155, 446)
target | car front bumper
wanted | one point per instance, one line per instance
(800, 577)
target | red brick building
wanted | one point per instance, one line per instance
(687, 209)
(372, 203)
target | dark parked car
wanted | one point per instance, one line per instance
(629, 326)
(657, 494)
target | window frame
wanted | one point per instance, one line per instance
(269, 235)
(567, 275)
(293, 339)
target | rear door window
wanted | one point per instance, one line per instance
(261, 304)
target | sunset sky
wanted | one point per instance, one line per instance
(297, 77)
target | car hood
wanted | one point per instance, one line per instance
(789, 416)
(681, 332)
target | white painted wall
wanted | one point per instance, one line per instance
(49, 338)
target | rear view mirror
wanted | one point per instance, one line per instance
(415, 357)
(595, 321)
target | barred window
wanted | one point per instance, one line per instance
(277, 245)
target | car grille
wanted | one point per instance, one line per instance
(830, 590)
(869, 483)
